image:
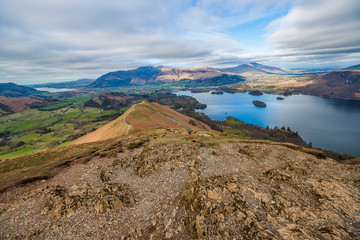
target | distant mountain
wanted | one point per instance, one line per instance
(71, 84)
(257, 68)
(337, 84)
(14, 90)
(353, 68)
(160, 75)
(140, 117)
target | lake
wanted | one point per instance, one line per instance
(328, 123)
(55, 89)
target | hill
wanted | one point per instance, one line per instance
(14, 90)
(140, 117)
(256, 68)
(167, 184)
(70, 84)
(353, 68)
(161, 75)
(337, 84)
(10, 105)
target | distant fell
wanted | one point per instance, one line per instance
(140, 117)
(353, 68)
(14, 90)
(70, 84)
(257, 68)
(161, 75)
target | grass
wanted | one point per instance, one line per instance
(45, 164)
(55, 106)
(237, 132)
(233, 121)
(64, 122)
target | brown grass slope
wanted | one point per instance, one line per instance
(140, 117)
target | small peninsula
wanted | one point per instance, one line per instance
(255, 93)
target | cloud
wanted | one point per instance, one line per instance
(39, 36)
(52, 40)
(315, 28)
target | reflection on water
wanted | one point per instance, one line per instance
(55, 89)
(327, 123)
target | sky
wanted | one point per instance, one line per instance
(58, 40)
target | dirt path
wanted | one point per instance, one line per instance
(128, 125)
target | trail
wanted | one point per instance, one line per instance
(128, 125)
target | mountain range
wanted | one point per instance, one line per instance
(70, 84)
(160, 75)
(340, 83)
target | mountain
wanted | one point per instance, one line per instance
(160, 75)
(14, 90)
(252, 68)
(167, 184)
(354, 68)
(341, 84)
(71, 84)
(140, 117)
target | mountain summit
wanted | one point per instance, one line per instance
(257, 68)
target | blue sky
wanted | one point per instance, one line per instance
(57, 40)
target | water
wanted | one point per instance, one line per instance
(55, 89)
(328, 123)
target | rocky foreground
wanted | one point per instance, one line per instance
(167, 184)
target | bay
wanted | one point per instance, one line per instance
(330, 124)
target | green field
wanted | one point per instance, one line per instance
(38, 129)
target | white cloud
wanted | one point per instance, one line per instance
(62, 37)
(318, 27)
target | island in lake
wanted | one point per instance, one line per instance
(259, 103)
(280, 98)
